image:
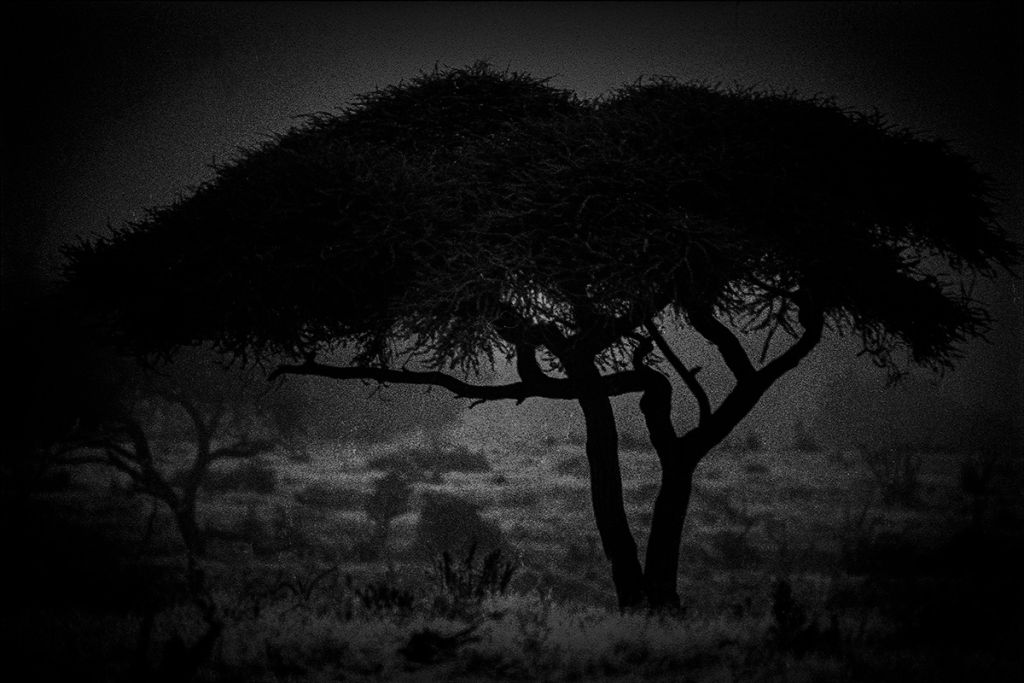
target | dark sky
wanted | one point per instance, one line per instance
(111, 108)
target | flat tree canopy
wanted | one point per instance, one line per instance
(434, 216)
(471, 214)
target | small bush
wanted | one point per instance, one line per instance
(254, 475)
(792, 631)
(897, 470)
(369, 547)
(385, 595)
(453, 523)
(390, 498)
(463, 583)
(976, 483)
(867, 548)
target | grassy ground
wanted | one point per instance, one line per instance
(795, 566)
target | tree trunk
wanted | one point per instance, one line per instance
(661, 566)
(195, 544)
(606, 495)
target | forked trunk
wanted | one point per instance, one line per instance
(678, 459)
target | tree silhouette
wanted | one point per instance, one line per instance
(470, 215)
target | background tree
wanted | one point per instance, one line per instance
(471, 215)
(219, 427)
(162, 428)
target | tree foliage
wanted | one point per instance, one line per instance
(468, 211)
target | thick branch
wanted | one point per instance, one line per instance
(204, 428)
(517, 391)
(614, 385)
(688, 376)
(813, 323)
(527, 366)
(655, 402)
(712, 329)
(748, 391)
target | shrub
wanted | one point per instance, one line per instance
(253, 475)
(390, 498)
(867, 548)
(464, 584)
(976, 483)
(385, 595)
(897, 470)
(448, 522)
(369, 548)
(791, 630)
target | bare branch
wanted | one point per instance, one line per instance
(688, 376)
(204, 428)
(551, 388)
(748, 390)
(656, 401)
(114, 455)
(813, 323)
(712, 329)
(614, 384)
(527, 366)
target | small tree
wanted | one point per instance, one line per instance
(471, 215)
(390, 498)
(124, 441)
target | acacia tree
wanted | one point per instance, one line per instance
(125, 441)
(471, 215)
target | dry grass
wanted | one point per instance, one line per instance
(890, 581)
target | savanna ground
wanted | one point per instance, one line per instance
(797, 565)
